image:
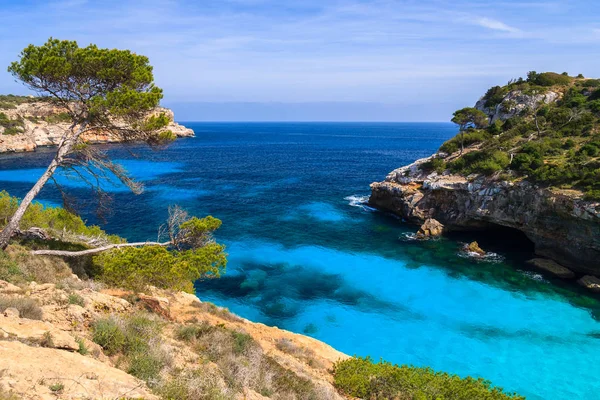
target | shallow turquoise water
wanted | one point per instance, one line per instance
(305, 255)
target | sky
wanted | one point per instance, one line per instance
(319, 60)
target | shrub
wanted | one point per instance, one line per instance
(83, 350)
(28, 308)
(548, 79)
(136, 268)
(190, 333)
(241, 341)
(469, 138)
(9, 270)
(360, 377)
(137, 339)
(109, 335)
(74, 298)
(145, 365)
(494, 96)
(57, 387)
(54, 219)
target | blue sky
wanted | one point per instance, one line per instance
(389, 60)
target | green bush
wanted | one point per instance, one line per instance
(469, 137)
(134, 337)
(76, 299)
(548, 79)
(361, 378)
(190, 333)
(55, 219)
(136, 268)
(109, 335)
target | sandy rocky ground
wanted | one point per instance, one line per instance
(28, 368)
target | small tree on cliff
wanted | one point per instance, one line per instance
(103, 90)
(466, 118)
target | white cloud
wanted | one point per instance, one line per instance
(495, 25)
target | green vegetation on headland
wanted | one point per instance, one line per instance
(545, 129)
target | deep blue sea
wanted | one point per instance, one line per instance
(306, 255)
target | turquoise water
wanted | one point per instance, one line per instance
(306, 255)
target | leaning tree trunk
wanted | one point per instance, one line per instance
(64, 148)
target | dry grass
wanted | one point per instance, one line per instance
(221, 312)
(243, 364)
(28, 308)
(36, 268)
(301, 353)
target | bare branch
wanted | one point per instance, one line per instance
(62, 253)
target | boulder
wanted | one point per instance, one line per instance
(591, 283)
(31, 331)
(12, 312)
(430, 228)
(473, 247)
(552, 267)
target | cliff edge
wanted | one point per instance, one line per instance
(527, 158)
(29, 122)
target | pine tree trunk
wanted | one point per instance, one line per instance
(64, 148)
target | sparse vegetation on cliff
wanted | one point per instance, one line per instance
(545, 128)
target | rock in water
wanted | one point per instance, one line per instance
(591, 283)
(473, 247)
(430, 228)
(552, 267)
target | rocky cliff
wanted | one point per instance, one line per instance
(40, 123)
(562, 226)
(533, 166)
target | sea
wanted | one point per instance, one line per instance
(307, 253)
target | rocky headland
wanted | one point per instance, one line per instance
(27, 123)
(528, 166)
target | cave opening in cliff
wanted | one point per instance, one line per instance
(501, 240)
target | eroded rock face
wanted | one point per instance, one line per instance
(39, 132)
(514, 103)
(561, 224)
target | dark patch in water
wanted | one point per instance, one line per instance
(483, 332)
(279, 290)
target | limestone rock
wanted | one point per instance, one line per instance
(515, 102)
(591, 283)
(9, 288)
(30, 371)
(562, 225)
(28, 330)
(552, 267)
(430, 228)
(39, 132)
(473, 247)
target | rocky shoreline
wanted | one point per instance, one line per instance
(563, 227)
(42, 126)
